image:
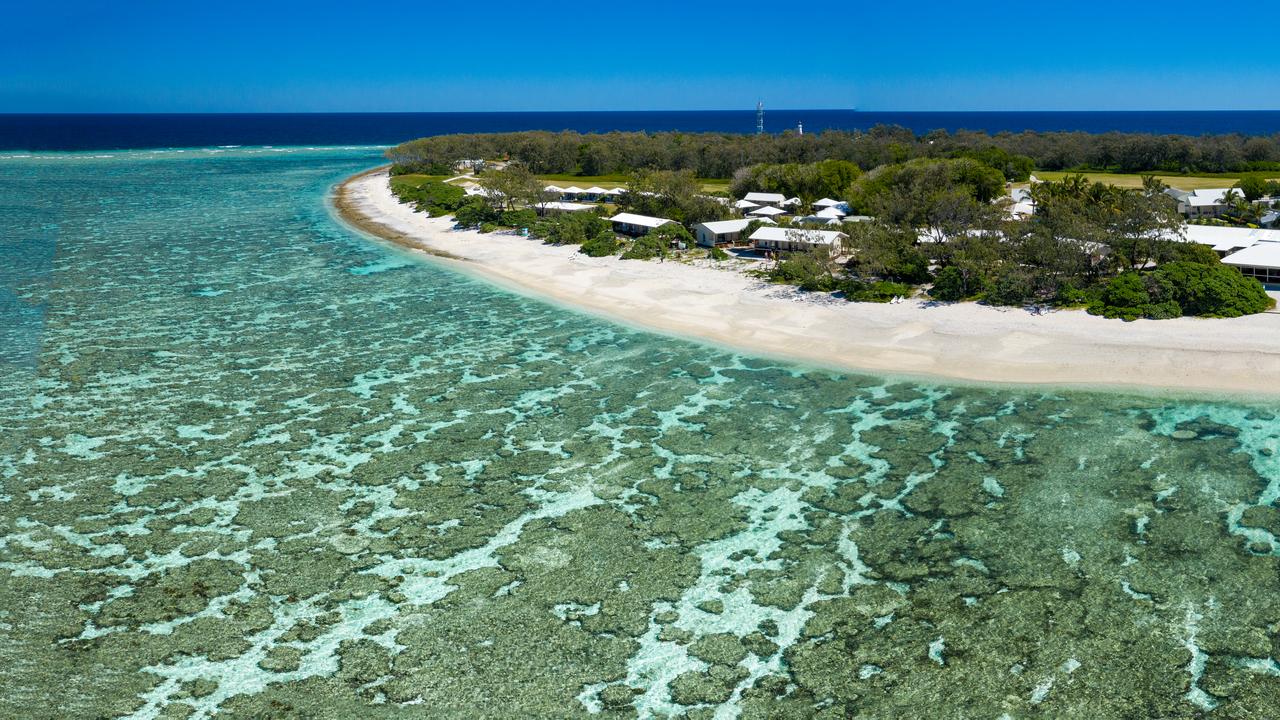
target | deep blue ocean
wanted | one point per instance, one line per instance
(121, 132)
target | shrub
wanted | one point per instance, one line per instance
(1193, 253)
(879, 292)
(808, 270)
(1212, 290)
(1130, 296)
(488, 227)
(717, 254)
(518, 218)
(950, 286)
(474, 213)
(601, 245)
(1014, 287)
(646, 247)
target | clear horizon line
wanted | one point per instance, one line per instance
(550, 112)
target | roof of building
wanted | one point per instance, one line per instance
(553, 188)
(792, 202)
(758, 197)
(1263, 255)
(1202, 198)
(784, 234)
(639, 220)
(816, 220)
(826, 202)
(720, 227)
(767, 211)
(743, 204)
(565, 206)
(831, 212)
(1226, 239)
(574, 189)
(595, 190)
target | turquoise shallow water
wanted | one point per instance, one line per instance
(254, 465)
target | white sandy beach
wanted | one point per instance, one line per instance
(963, 341)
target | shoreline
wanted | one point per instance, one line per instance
(963, 342)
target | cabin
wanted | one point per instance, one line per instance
(723, 232)
(1261, 261)
(636, 225)
(780, 239)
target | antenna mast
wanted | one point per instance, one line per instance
(760, 118)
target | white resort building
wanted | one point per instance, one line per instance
(636, 225)
(1201, 203)
(780, 239)
(723, 232)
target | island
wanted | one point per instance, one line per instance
(948, 256)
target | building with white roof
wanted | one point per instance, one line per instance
(767, 211)
(831, 213)
(1227, 240)
(746, 205)
(554, 208)
(636, 225)
(760, 198)
(783, 239)
(1206, 203)
(1261, 261)
(723, 232)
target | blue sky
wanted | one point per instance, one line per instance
(321, 55)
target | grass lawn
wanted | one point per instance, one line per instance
(414, 180)
(1182, 182)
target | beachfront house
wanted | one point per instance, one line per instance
(1261, 261)
(636, 225)
(723, 232)
(1201, 203)
(786, 239)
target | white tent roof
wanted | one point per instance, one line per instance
(553, 188)
(574, 189)
(595, 190)
(744, 204)
(792, 201)
(826, 202)
(757, 197)
(767, 211)
(831, 212)
(813, 237)
(1262, 255)
(639, 220)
